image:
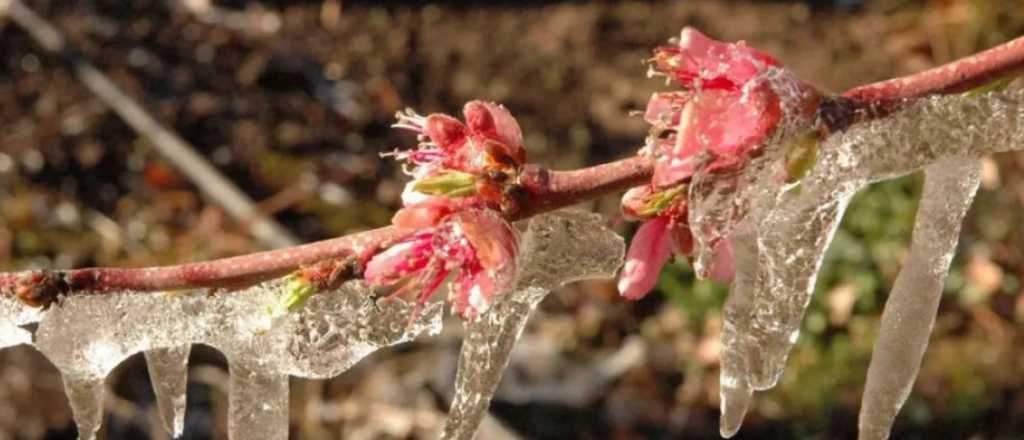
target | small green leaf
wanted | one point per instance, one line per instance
(997, 85)
(449, 183)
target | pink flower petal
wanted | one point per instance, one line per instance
(445, 131)
(395, 263)
(648, 252)
(492, 239)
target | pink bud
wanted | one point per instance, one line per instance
(648, 252)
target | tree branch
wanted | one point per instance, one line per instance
(539, 190)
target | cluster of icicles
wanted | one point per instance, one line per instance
(86, 336)
(779, 245)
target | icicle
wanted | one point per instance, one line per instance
(86, 398)
(86, 336)
(910, 310)
(735, 391)
(791, 243)
(558, 248)
(257, 404)
(168, 371)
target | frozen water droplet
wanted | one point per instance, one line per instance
(910, 310)
(85, 396)
(168, 371)
(257, 404)
(557, 248)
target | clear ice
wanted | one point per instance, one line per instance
(909, 314)
(86, 336)
(557, 248)
(780, 233)
(168, 371)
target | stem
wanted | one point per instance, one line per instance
(958, 76)
(544, 191)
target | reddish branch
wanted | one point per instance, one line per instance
(539, 190)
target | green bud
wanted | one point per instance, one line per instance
(297, 291)
(801, 154)
(448, 183)
(661, 200)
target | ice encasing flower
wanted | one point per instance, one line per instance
(477, 244)
(732, 99)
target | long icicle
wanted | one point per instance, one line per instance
(910, 310)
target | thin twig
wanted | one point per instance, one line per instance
(958, 76)
(174, 148)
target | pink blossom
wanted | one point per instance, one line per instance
(477, 244)
(726, 108)
(665, 232)
(490, 139)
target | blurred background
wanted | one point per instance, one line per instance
(292, 101)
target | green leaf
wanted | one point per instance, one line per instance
(448, 183)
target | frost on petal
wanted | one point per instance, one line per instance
(716, 64)
(648, 252)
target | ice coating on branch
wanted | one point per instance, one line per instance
(794, 224)
(13, 314)
(86, 336)
(558, 248)
(922, 132)
(910, 311)
(168, 371)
